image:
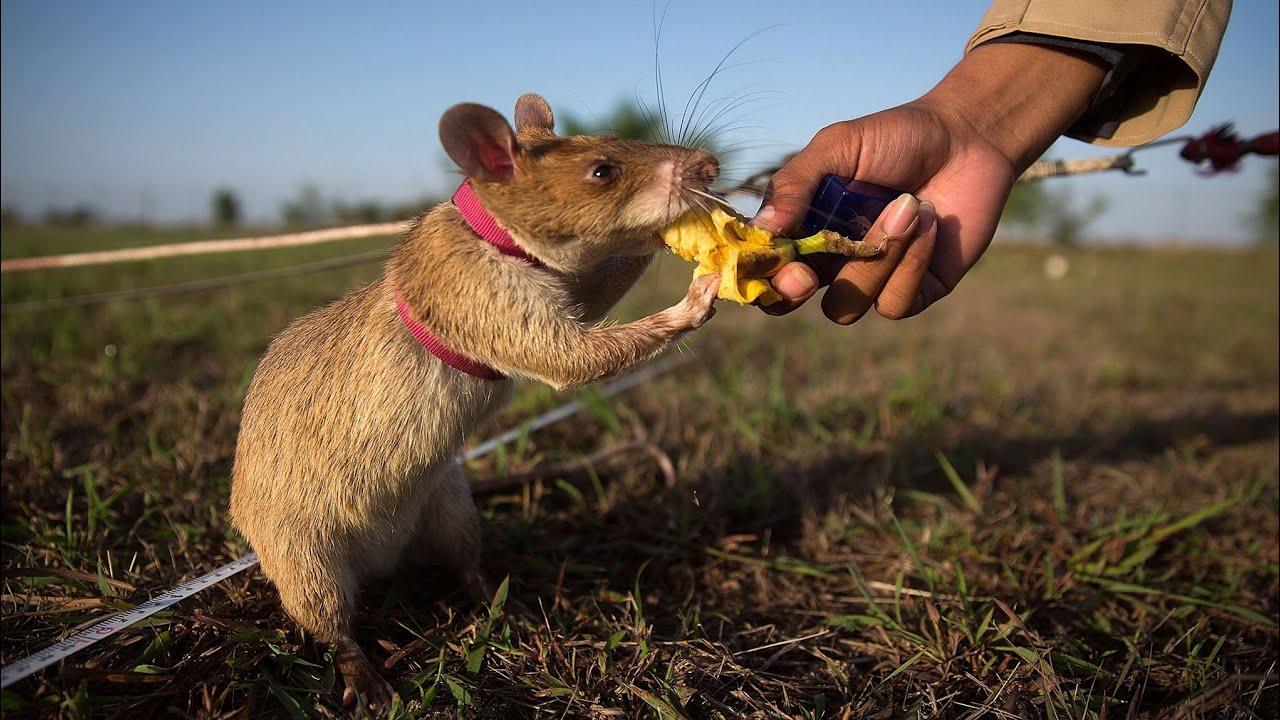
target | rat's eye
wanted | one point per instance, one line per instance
(605, 172)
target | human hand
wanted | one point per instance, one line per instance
(959, 149)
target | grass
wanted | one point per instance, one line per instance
(1040, 499)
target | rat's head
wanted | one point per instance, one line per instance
(572, 201)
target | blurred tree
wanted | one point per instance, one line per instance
(77, 216)
(1266, 218)
(367, 211)
(627, 121)
(225, 207)
(1026, 205)
(307, 209)
(1051, 213)
(410, 209)
(1064, 222)
(11, 216)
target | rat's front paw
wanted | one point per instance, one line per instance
(699, 303)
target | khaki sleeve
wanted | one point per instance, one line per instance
(1176, 43)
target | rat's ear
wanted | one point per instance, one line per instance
(480, 141)
(533, 113)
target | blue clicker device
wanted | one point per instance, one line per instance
(846, 206)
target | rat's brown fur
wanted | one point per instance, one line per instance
(345, 462)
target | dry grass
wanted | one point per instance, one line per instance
(1042, 498)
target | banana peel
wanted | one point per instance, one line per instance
(720, 241)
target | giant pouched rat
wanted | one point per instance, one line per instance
(345, 462)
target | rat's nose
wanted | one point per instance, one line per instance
(702, 167)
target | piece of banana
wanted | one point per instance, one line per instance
(721, 241)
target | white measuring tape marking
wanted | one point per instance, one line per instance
(37, 661)
(14, 672)
(573, 407)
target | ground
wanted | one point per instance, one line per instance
(1044, 497)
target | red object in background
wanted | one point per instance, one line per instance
(1223, 148)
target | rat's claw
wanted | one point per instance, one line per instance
(375, 696)
(365, 690)
(702, 299)
(698, 305)
(706, 287)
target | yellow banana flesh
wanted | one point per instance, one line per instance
(745, 257)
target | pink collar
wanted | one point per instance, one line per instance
(484, 225)
(436, 346)
(474, 212)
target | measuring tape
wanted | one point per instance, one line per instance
(14, 672)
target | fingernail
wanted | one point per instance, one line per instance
(900, 214)
(795, 281)
(928, 214)
(764, 218)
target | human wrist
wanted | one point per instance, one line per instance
(1018, 98)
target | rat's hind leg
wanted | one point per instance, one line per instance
(321, 597)
(448, 532)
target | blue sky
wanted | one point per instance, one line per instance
(141, 109)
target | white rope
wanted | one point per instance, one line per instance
(41, 659)
(203, 247)
(1062, 168)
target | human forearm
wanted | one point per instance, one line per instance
(1019, 98)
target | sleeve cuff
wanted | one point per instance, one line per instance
(1168, 46)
